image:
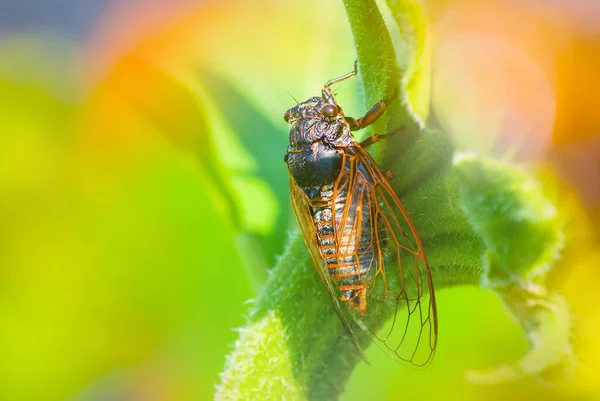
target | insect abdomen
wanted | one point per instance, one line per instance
(349, 257)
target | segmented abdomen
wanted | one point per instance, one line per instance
(348, 251)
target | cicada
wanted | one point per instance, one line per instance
(362, 241)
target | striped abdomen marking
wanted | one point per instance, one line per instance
(349, 259)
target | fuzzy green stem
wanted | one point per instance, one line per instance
(294, 335)
(379, 72)
(294, 345)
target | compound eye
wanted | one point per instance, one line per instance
(287, 115)
(329, 110)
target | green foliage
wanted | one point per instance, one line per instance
(519, 225)
(262, 343)
(296, 313)
(523, 235)
(104, 252)
(136, 223)
(473, 215)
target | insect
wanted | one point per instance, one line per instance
(362, 241)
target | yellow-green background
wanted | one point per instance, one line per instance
(143, 194)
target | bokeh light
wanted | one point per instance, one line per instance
(143, 196)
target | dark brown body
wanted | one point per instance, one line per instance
(320, 157)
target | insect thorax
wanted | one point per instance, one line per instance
(315, 167)
(317, 143)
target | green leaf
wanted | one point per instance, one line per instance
(507, 208)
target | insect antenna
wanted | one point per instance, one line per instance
(333, 93)
(295, 100)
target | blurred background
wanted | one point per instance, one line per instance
(143, 194)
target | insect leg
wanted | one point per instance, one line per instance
(376, 138)
(343, 77)
(327, 93)
(372, 114)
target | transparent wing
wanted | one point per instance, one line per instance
(305, 221)
(400, 311)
